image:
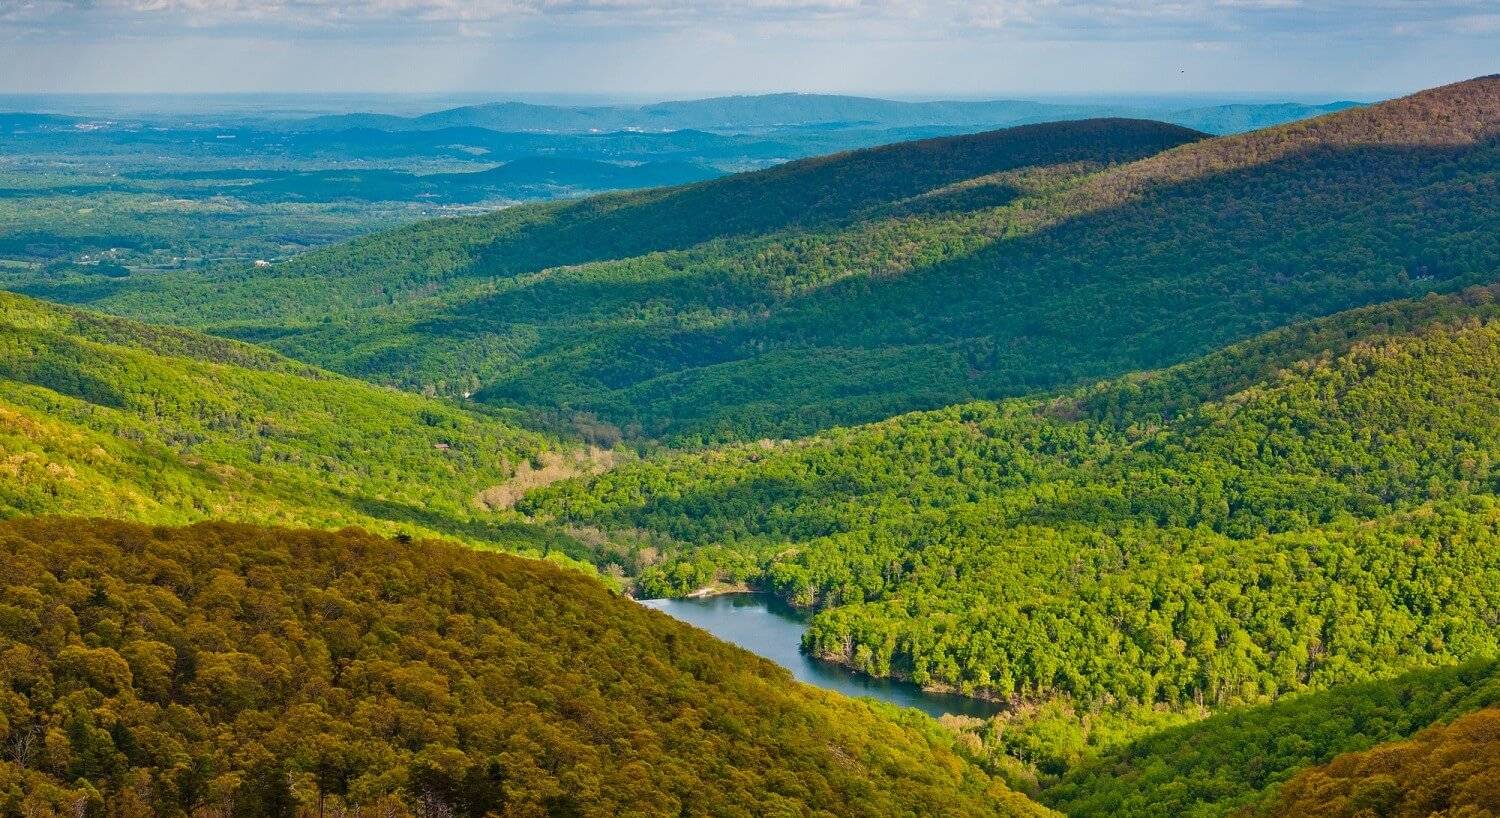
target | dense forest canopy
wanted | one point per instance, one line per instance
(104, 416)
(232, 670)
(1316, 522)
(912, 276)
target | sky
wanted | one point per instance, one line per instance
(660, 49)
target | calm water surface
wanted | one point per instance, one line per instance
(763, 624)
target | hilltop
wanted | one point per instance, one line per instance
(255, 671)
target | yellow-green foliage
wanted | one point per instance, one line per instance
(234, 670)
(102, 416)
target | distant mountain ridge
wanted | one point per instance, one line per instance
(768, 111)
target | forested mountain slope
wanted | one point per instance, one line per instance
(105, 416)
(1309, 509)
(907, 277)
(232, 670)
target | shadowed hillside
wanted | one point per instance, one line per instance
(410, 264)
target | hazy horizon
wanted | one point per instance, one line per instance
(651, 50)
(278, 104)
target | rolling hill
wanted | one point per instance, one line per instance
(1131, 267)
(107, 417)
(855, 287)
(229, 669)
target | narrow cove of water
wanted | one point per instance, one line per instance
(764, 625)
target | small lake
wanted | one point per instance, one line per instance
(763, 624)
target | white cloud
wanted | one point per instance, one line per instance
(1109, 19)
(683, 46)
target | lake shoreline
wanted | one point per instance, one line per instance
(721, 590)
(768, 626)
(930, 687)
